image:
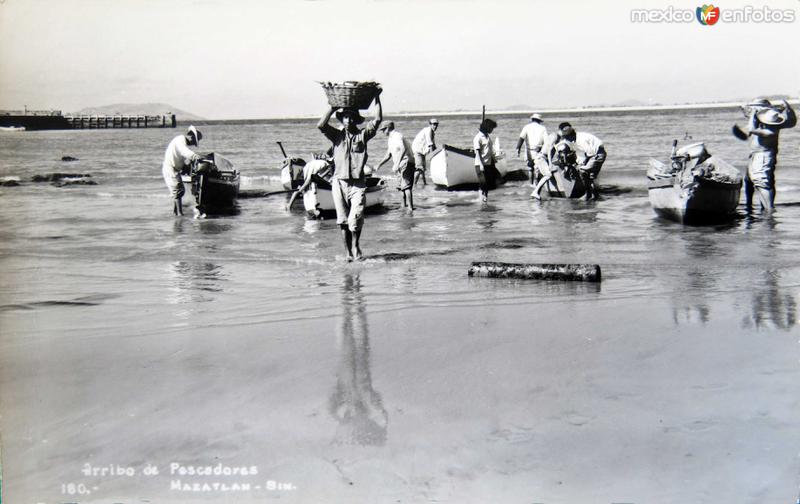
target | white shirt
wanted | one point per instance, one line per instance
(177, 156)
(314, 167)
(423, 142)
(398, 148)
(534, 135)
(482, 143)
(587, 143)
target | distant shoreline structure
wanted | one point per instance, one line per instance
(544, 111)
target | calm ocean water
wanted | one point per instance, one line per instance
(108, 265)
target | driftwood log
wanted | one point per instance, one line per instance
(577, 272)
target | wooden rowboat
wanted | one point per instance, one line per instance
(292, 173)
(214, 183)
(566, 184)
(692, 197)
(318, 199)
(454, 168)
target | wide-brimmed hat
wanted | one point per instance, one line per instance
(387, 125)
(355, 114)
(433, 120)
(759, 102)
(196, 133)
(770, 117)
(693, 151)
(536, 117)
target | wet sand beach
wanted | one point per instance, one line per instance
(245, 344)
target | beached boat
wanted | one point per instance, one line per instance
(12, 129)
(215, 184)
(566, 184)
(292, 173)
(454, 168)
(318, 200)
(696, 188)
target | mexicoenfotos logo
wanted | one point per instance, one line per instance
(707, 15)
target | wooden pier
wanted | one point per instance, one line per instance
(120, 121)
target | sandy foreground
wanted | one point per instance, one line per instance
(596, 401)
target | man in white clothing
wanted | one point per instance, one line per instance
(424, 143)
(177, 159)
(399, 151)
(533, 136)
(594, 156)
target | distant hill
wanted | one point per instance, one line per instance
(141, 108)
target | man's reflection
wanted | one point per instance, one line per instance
(771, 306)
(354, 403)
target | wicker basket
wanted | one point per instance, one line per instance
(351, 94)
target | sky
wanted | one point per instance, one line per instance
(259, 59)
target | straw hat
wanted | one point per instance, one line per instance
(693, 151)
(194, 132)
(536, 117)
(355, 114)
(770, 117)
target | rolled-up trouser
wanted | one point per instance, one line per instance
(173, 181)
(761, 176)
(419, 161)
(405, 174)
(761, 169)
(349, 197)
(592, 167)
(490, 176)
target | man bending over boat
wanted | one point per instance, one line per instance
(319, 167)
(594, 153)
(399, 151)
(349, 182)
(178, 159)
(763, 130)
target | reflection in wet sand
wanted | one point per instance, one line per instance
(354, 403)
(192, 281)
(772, 305)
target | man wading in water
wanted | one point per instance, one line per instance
(177, 159)
(763, 129)
(349, 183)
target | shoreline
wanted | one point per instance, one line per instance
(544, 111)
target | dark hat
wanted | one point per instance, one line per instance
(355, 114)
(487, 124)
(387, 125)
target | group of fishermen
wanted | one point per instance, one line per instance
(545, 154)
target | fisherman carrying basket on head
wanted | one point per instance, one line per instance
(349, 183)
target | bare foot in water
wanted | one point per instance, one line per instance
(359, 255)
(349, 258)
(536, 197)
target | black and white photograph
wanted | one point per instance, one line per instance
(399, 251)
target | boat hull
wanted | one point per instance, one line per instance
(564, 186)
(703, 202)
(292, 174)
(454, 168)
(215, 185)
(318, 198)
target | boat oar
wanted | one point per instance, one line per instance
(282, 150)
(739, 133)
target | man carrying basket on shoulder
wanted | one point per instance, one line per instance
(349, 183)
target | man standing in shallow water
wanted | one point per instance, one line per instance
(177, 159)
(349, 182)
(763, 130)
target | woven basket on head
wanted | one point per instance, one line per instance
(351, 94)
